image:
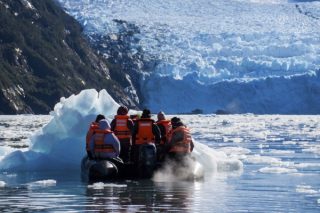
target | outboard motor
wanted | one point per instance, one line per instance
(98, 170)
(103, 170)
(147, 160)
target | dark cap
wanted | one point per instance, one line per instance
(122, 110)
(175, 121)
(146, 113)
(99, 117)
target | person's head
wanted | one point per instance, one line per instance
(122, 110)
(99, 118)
(146, 113)
(104, 124)
(176, 122)
(161, 116)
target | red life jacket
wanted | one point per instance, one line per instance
(145, 134)
(183, 146)
(99, 145)
(93, 126)
(168, 127)
(121, 129)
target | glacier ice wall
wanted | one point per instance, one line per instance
(196, 46)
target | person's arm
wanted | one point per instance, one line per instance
(191, 145)
(91, 147)
(116, 145)
(130, 124)
(171, 142)
(113, 124)
(156, 133)
(88, 137)
(134, 133)
(162, 129)
(163, 133)
(176, 137)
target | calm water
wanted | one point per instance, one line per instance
(281, 172)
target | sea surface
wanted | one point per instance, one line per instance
(281, 171)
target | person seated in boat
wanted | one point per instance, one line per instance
(165, 127)
(180, 144)
(145, 131)
(104, 144)
(122, 126)
(93, 126)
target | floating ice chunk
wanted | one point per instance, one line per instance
(101, 185)
(43, 183)
(2, 184)
(277, 170)
(281, 152)
(234, 151)
(216, 161)
(258, 159)
(306, 189)
(315, 149)
(307, 165)
(289, 143)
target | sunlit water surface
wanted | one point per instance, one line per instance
(281, 172)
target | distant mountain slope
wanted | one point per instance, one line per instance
(43, 56)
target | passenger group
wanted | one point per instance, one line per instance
(125, 134)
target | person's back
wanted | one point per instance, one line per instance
(122, 126)
(145, 131)
(180, 142)
(104, 144)
(164, 126)
(93, 126)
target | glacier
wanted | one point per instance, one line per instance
(238, 55)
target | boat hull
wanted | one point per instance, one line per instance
(110, 169)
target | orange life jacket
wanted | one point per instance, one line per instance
(99, 145)
(121, 129)
(93, 126)
(167, 125)
(145, 134)
(183, 146)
